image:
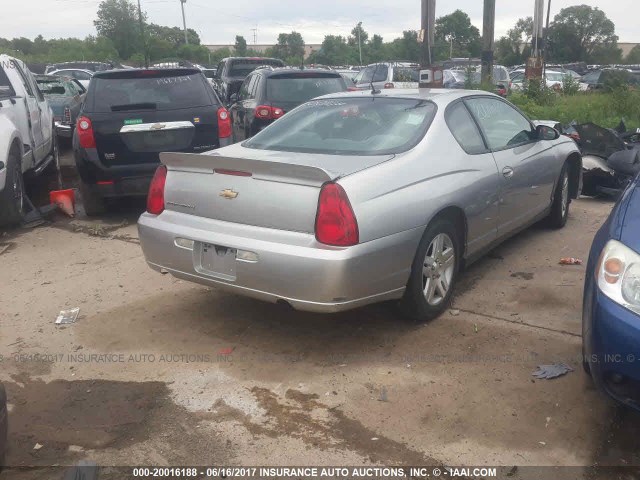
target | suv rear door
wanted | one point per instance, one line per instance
(136, 114)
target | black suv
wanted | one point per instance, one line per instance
(233, 70)
(268, 93)
(130, 116)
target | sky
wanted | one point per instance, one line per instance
(218, 22)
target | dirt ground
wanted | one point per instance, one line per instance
(158, 371)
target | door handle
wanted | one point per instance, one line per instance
(507, 172)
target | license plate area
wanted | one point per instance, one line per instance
(215, 260)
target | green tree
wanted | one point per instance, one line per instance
(633, 58)
(173, 35)
(333, 51)
(455, 36)
(118, 21)
(513, 49)
(405, 48)
(580, 33)
(241, 46)
(290, 48)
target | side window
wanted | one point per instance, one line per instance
(255, 93)
(591, 77)
(464, 129)
(252, 87)
(502, 125)
(243, 94)
(34, 86)
(80, 75)
(23, 78)
(219, 70)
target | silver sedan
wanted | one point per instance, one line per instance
(360, 197)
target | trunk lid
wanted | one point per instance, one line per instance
(279, 190)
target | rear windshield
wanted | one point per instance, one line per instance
(166, 92)
(367, 74)
(301, 87)
(406, 74)
(243, 67)
(49, 87)
(349, 126)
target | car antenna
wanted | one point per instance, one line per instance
(373, 89)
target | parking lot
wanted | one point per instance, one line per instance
(160, 371)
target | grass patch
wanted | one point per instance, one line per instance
(605, 109)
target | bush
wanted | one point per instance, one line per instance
(603, 108)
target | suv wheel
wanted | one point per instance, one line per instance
(12, 196)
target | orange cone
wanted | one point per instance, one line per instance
(65, 200)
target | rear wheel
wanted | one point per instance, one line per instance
(561, 201)
(433, 273)
(12, 196)
(92, 201)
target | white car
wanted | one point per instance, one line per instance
(388, 75)
(83, 76)
(553, 79)
(27, 135)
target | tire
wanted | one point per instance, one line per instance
(93, 203)
(423, 298)
(12, 196)
(561, 201)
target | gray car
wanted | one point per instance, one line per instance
(357, 198)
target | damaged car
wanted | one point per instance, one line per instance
(610, 159)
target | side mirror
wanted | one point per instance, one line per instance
(546, 133)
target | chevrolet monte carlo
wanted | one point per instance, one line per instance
(360, 197)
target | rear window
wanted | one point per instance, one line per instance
(367, 74)
(301, 87)
(406, 74)
(49, 87)
(155, 92)
(349, 126)
(243, 67)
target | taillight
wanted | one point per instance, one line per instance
(224, 123)
(155, 199)
(85, 133)
(389, 85)
(67, 115)
(336, 223)
(352, 89)
(267, 112)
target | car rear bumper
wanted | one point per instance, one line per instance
(64, 130)
(612, 346)
(290, 266)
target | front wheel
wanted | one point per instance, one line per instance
(561, 201)
(433, 273)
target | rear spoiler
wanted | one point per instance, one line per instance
(259, 169)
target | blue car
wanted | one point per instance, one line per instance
(611, 309)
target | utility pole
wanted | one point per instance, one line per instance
(184, 22)
(359, 43)
(144, 43)
(255, 35)
(488, 32)
(428, 21)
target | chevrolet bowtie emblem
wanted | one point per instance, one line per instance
(158, 126)
(228, 194)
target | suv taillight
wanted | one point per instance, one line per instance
(224, 123)
(85, 133)
(155, 199)
(267, 112)
(389, 85)
(336, 223)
